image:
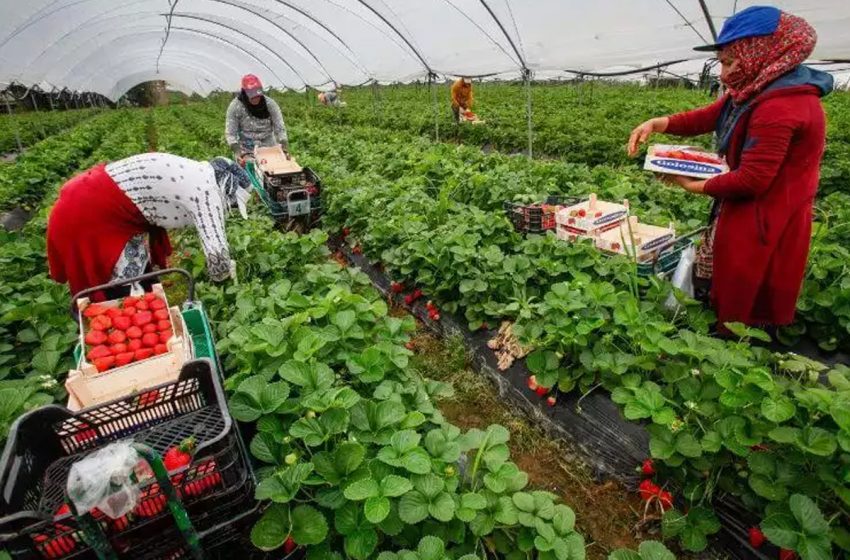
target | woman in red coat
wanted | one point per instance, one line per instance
(770, 127)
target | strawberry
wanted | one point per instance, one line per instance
(582, 213)
(150, 328)
(408, 299)
(94, 338)
(666, 500)
(436, 317)
(103, 364)
(409, 345)
(484, 327)
(149, 340)
(56, 547)
(357, 250)
(179, 456)
(206, 477)
(396, 287)
(130, 301)
(156, 305)
(129, 311)
(786, 554)
(160, 314)
(151, 502)
(598, 215)
(142, 318)
(123, 359)
(122, 323)
(541, 391)
(160, 349)
(143, 354)
(647, 468)
(134, 345)
(118, 348)
(113, 313)
(165, 336)
(571, 221)
(647, 489)
(163, 325)
(615, 246)
(429, 305)
(117, 337)
(346, 231)
(756, 537)
(94, 310)
(118, 525)
(759, 447)
(289, 545)
(134, 332)
(100, 351)
(142, 306)
(101, 323)
(551, 401)
(149, 297)
(64, 509)
(532, 382)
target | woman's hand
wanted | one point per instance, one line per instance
(643, 131)
(696, 186)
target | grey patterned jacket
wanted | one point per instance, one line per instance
(243, 132)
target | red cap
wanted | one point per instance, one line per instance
(252, 85)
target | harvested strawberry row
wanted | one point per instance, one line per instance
(134, 331)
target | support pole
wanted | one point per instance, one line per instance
(708, 19)
(435, 109)
(526, 76)
(14, 124)
(50, 100)
(375, 100)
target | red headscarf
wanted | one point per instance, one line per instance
(763, 59)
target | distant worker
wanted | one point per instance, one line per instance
(110, 222)
(254, 120)
(770, 126)
(461, 97)
(332, 98)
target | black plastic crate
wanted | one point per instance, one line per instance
(44, 443)
(288, 199)
(536, 218)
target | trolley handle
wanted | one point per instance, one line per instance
(119, 283)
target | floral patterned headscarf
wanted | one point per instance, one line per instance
(763, 59)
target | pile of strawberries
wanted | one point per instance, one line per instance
(541, 390)
(135, 330)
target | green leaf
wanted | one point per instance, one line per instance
(808, 515)
(394, 486)
(413, 508)
(781, 530)
(778, 410)
(348, 456)
(784, 434)
(654, 550)
(524, 502)
(431, 548)
(673, 522)
(563, 520)
(272, 528)
(687, 445)
(308, 525)
(473, 500)
(817, 441)
(429, 485)
(417, 461)
(360, 544)
(442, 508)
(362, 489)
(376, 509)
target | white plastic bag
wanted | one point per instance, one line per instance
(104, 480)
(683, 277)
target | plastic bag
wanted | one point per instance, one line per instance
(105, 480)
(683, 277)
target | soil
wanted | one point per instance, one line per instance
(609, 515)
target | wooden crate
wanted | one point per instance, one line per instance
(589, 218)
(88, 387)
(638, 240)
(272, 161)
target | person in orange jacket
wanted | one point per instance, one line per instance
(461, 97)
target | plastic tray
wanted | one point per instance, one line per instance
(531, 218)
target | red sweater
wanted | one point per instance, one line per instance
(764, 228)
(88, 228)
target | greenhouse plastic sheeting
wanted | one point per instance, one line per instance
(203, 45)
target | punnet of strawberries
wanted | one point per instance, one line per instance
(136, 329)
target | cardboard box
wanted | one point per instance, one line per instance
(273, 161)
(688, 161)
(589, 218)
(635, 239)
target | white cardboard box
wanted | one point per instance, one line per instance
(589, 218)
(635, 239)
(687, 161)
